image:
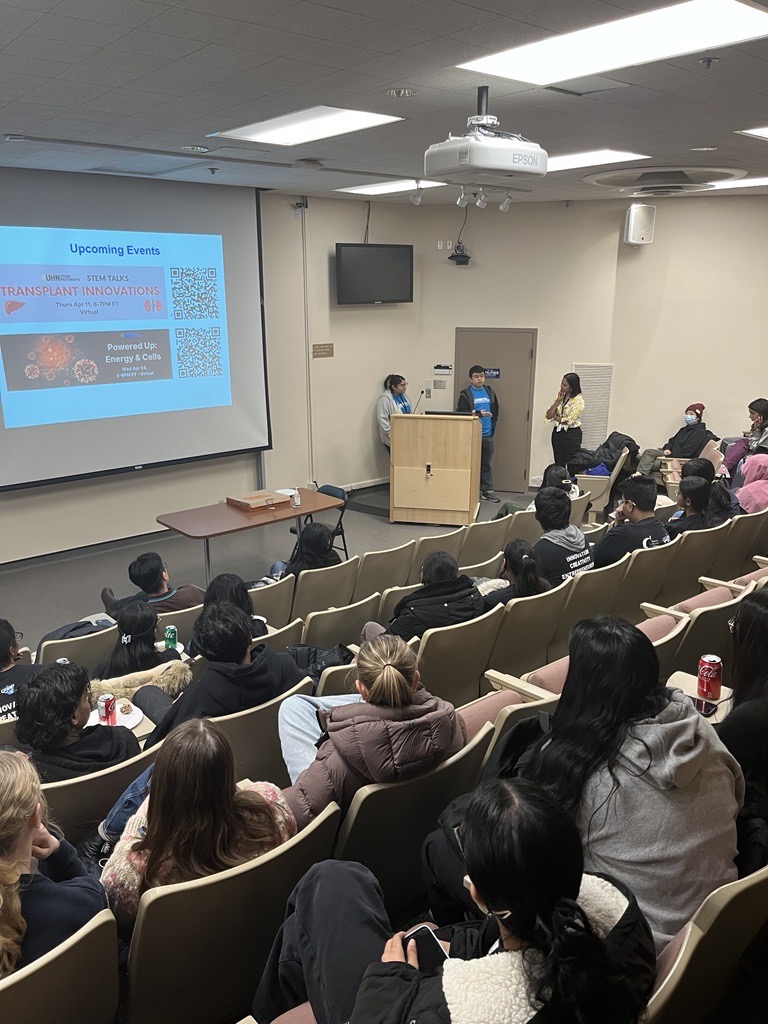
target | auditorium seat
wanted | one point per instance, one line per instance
(524, 526)
(317, 589)
(491, 569)
(390, 598)
(340, 625)
(452, 659)
(526, 629)
(82, 650)
(695, 551)
(449, 542)
(579, 508)
(483, 540)
(274, 602)
(184, 621)
(645, 573)
(734, 556)
(379, 570)
(600, 486)
(282, 638)
(592, 592)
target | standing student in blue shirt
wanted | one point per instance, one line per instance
(480, 398)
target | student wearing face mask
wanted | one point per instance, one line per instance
(687, 443)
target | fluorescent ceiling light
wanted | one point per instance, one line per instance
(741, 183)
(381, 188)
(591, 159)
(667, 32)
(759, 133)
(308, 125)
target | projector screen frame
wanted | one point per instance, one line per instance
(164, 463)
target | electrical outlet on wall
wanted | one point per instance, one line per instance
(440, 385)
(439, 244)
(449, 244)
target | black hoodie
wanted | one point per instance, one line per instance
(689, 442)
(225, 688)
(99, 746)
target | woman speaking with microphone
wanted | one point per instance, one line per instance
(394, 400)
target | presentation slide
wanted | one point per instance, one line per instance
(130, 325)
(138, 320)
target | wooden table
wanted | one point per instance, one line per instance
(217, 520)
(688, 683)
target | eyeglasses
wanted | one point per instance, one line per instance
(19, 637)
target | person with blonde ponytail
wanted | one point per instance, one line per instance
(39, 909)
(391, 731)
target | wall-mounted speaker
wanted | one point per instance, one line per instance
(638, 226)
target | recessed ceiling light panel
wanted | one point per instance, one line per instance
(757, 133)
(656, 35)
(742, 183)
(593, 158)
(308, 125)
(382, 188)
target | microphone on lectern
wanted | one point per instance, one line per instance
(421, 395)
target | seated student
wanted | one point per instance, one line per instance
(745, 730)
(228, 588)
(195, 821)
(652, 789)
(693, 499)
(134, 649)
(149, 573)
(235, 679)
(395, 732)
(687, 443)
(562, 550)
(444, 599)
(723, 504)
(555, 943)
(636, 524)
(521, 570)
(314, 550)
(755, 443)
(553, 476)
(11, 672)
(42, 904)
(52, 709)
(753, 496)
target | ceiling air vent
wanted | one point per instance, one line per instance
(646, 183)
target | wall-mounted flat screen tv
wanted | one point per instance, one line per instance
(372, 274)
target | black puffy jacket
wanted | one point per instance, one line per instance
(436, 604)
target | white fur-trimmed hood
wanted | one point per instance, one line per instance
(495, 988)
(172, 677)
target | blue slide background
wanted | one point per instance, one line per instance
(56, 292)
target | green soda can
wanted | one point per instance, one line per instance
(171, 638)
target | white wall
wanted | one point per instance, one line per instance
(682, 319)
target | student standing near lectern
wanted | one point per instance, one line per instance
(394, 400)
(480, 398)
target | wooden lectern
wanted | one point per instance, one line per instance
(434, 469)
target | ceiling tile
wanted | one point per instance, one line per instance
(240, 10)
(288, 70)
(47, 49)
(13, 65)
(310, 19)
(230, 58)
(124, 60)
(192, 25)
(449, 16)
(156, 44)
(60, 93)
(387, 37)
(265, 40)
(74, 30)
(41, 6)
(15, 20)
(332, 54)
(128, 13)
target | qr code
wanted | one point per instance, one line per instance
(195, 293)
(198, 352)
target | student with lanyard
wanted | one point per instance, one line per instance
(480, 398)
(566, 412)
(394, 400)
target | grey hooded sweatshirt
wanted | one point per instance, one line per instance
(562, 553)
(669, 830)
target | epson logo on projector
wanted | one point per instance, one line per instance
(525, 158)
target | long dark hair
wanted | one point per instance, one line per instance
(750, 640)
(760, 406)
(134, 650)
(612, 681)
(394, 380)
(314, 549)
(574, 383)
(524, 856)
(520, 561)
(198, 822)
(719, 508)
(556, 476)
(228, 588)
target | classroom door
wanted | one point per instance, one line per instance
(508, 355)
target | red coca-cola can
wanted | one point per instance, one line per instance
(107, 708)
(710, 676)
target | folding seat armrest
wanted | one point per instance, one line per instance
(529, 692)
(656, 609)
(709, 584)
(760, 561)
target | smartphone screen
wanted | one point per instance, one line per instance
(428, 949)
(704, 707)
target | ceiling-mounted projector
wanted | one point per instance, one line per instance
(484, 155)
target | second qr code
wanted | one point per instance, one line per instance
(198, 352)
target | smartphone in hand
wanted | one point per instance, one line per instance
(428, 949)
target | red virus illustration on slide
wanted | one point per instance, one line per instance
(57, 358)
(85, 370)
(12, 306)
